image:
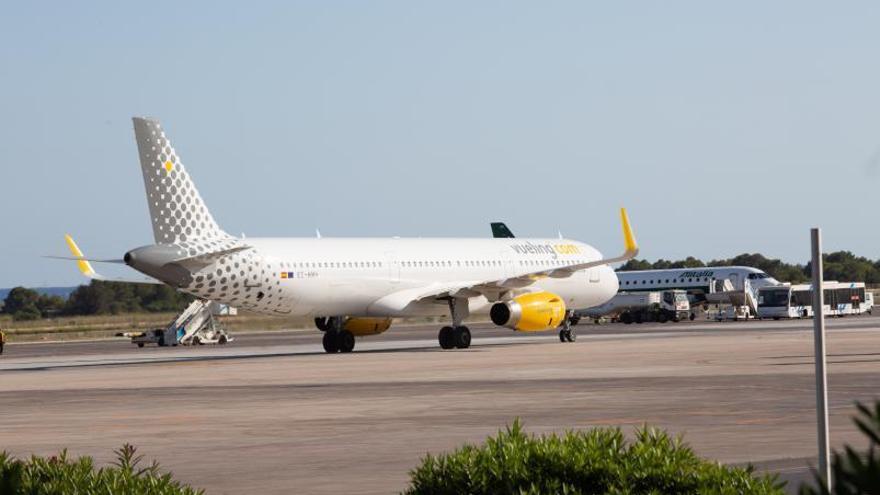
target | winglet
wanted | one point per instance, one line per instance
(629, 240)
(631, 248)
(84, 266)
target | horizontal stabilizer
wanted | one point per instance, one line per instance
(202, 260)
(85, 267)
(90, 260)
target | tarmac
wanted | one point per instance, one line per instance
(271, 413)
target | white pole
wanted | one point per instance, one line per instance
(819, 354)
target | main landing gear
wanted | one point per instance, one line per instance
(457, 336)
(336, 339)
(567, 333)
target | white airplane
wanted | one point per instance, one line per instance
(354, 287)
(694, 280)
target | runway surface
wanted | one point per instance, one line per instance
(271, 413)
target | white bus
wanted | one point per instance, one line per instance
(796, 301)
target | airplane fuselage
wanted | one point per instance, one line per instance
(354, 276)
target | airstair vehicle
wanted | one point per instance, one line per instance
(196, 325)
(730, 303)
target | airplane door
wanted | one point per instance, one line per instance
(393, 267)
(734, 280)
(509, 268)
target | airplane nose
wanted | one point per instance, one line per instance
(613, 284)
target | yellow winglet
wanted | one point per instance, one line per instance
(84, 266)
(629, 240)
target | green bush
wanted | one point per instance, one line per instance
(27, 313)
(597, 461)
(62, 476)
(854, 472)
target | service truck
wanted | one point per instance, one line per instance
(638, 307)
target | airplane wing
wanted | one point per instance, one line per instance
(401, 299)
(85, 267)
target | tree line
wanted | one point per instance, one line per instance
(97, 298)
(842, 266)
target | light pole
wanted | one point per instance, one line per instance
(819, 354)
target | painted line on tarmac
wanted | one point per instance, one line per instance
(177, 354)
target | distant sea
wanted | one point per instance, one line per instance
(52, 291)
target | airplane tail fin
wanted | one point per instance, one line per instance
(177, 212)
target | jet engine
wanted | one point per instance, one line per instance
(366, 326)
(532, 312)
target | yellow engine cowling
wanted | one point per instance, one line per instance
(366, 326)
(532, 312)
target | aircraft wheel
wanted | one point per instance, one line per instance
(222, 340)
(140, 344)
(346, 341)
(662, 318)
(462, 337)
(626, 318)
(331, 343)
(323, 323)
(446, 338)
(562, 335)
(693, 316)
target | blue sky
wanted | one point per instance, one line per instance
(725, 128)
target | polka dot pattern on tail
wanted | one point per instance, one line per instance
(177, 212)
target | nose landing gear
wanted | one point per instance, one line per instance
(567, 333)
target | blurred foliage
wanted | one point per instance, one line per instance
(597, 461)
(26, 304)
(853, 471)
(842, 266)
(97, 298)
(59, 475)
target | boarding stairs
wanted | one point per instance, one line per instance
(197, 325)
(721, 291)
(740, 303)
